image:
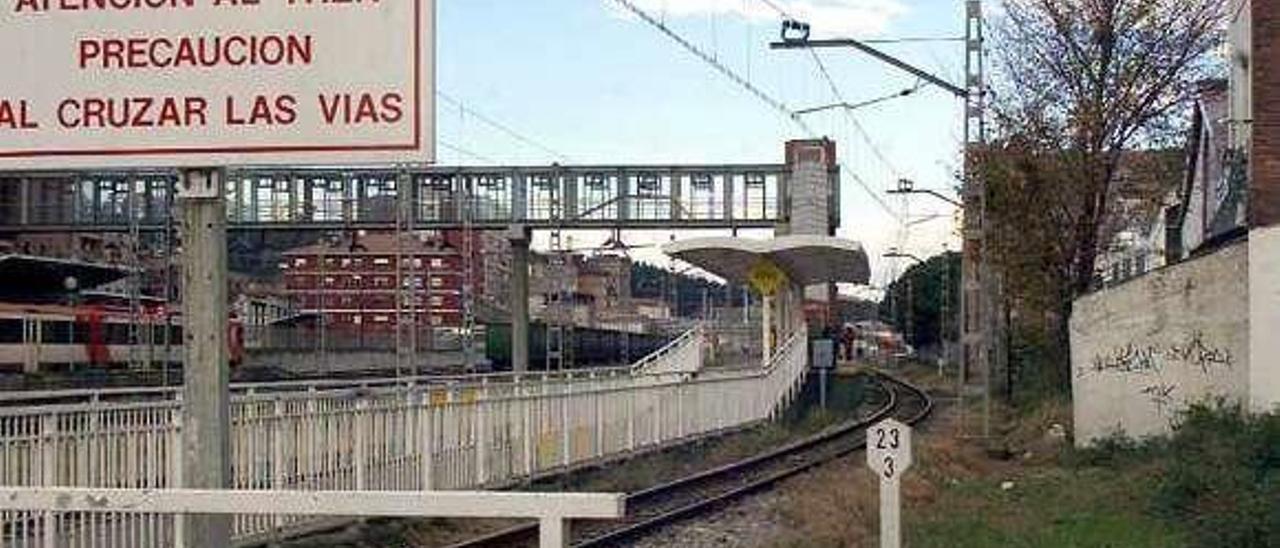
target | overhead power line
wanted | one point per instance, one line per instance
(459, 150)
(501, 127)
(913, 39)
(717, 65)
(874, 195)
(853, 120)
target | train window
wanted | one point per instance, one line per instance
(10, 331)
(116, 334)
(61, 332)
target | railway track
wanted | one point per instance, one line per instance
(662, 505)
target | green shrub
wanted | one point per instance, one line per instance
(1220, 477)
(1112, 451)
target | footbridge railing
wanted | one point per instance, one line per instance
(683, 355)
(464, 435)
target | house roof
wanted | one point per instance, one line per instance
(373, 243)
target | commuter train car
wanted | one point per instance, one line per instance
(591, 347)
(41, 338)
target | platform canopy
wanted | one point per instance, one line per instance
(806, 260)
(41, 279)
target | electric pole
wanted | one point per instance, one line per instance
(979, 288)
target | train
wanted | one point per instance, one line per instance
(590, 347)
(40, 338)
(45, 338)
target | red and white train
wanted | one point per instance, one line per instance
(38, 338)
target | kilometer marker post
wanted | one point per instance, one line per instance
(889, 455)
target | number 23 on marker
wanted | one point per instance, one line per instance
(889, 448)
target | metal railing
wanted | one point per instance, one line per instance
(466, 435)
(682, 355)
(702, 196)
(652, 363)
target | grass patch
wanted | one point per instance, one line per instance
(1054, 507)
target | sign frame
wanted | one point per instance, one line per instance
(41, 139)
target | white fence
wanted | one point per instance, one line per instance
(552, 510)
(459, 436)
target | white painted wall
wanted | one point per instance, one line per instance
(1143, 350)
(1264, 314)
(1240, 53)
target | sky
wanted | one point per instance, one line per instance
(585, 82)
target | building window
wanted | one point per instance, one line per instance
(417, 262)
(299, 262)
(357, 319)
(346, 262)
(437, 263)
(382, 261)
(437, 282)
(437, 300)
(381, 319)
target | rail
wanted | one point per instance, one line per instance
(659, 505)
(421, 437)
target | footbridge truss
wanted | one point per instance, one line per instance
(436, 197)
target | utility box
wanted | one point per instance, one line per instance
(822, 354)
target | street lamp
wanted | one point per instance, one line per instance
(907, 186)
(895, 253)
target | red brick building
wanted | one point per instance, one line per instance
(355, 282)
(1264, 198)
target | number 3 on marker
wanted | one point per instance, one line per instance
(888, 467)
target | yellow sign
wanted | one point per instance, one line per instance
(766, 277)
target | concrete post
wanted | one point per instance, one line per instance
(206, 443)
(766, 325)
(1260, 102)
(519, 236)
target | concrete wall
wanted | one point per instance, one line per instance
(1143, 350)
(1264, 316)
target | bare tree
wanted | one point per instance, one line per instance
(1092, 79)
(1080, 87)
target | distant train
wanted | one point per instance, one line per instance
(39, 338)
(591, 347)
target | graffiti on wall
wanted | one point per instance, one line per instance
(1153, 361)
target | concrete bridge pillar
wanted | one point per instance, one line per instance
(519, 236)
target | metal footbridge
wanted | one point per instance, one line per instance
(545, 197)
